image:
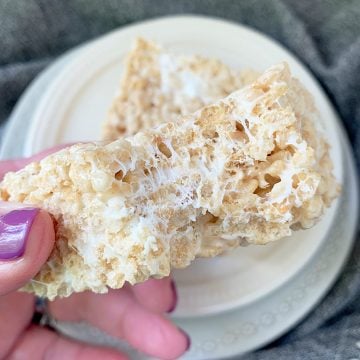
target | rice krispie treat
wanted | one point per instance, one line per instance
(159, 86)
(247, 169)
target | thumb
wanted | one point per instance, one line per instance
(26, 239)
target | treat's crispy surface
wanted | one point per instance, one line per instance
(246, 169)
(158, 86)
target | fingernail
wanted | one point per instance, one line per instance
(175, 297)
(14, 230)
(188, 340)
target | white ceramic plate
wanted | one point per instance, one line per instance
(249, 281)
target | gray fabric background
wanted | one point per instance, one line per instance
(324, 34)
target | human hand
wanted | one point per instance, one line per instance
(133, 313)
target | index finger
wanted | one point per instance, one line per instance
(17, 164)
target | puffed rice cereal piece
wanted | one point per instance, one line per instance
(247, 169)
(159, 86)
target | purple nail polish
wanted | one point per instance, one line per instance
(175, 297)
(14, 230)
